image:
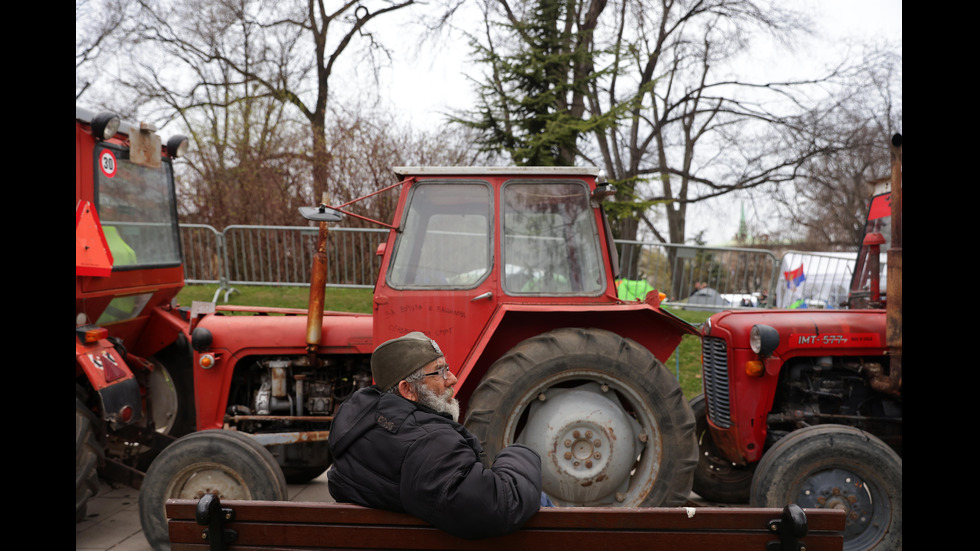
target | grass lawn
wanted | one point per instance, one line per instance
(685, 362)
(336, 299)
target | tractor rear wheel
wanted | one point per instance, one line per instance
(609, 421)
(226, 463)
(89, 454)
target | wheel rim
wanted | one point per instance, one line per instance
(845, 490)
(597, 448)
(163, 399)
(198, 479)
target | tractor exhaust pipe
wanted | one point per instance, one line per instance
(318, 276)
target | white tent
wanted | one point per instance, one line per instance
(826, 279)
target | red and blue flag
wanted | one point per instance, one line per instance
(794, 277)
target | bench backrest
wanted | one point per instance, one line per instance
(255, 525)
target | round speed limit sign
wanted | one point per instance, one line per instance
(107, 162)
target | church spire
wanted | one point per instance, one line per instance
(743, 229)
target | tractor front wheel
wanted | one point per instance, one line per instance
(226, 463)
(837, 467)
(716, 478)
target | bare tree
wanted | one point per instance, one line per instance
(364, 147)
(200, 57)
(98, 28)
(250, 176)
(826, 206)
(244, 170)
(646, 82)
(252, 82)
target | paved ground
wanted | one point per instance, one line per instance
(113, 521)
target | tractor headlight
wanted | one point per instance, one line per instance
(105, 125)
(763, 339)
(177, 146)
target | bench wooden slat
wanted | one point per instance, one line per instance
(282, 536)
(299, 525)
(617, 518)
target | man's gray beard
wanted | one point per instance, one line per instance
(443, 404)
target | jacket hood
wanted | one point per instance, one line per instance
(357, 418)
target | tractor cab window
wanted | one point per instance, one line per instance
(445, 240)
(136, 208)
(550, 242)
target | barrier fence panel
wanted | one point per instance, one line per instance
(354, 260)
(202, 248)
(283, 255)
(701, 278)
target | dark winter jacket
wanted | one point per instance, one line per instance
(392, 453)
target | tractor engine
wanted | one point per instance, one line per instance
(284, 387)
(833, 389)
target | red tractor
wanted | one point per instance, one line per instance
(511, 270)
(805, 406)
(132, 357)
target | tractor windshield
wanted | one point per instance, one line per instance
(136, 207)
(549, 245)
(446, 241)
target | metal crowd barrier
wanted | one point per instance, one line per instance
(702, 278)
(277, 255)
(692, 277)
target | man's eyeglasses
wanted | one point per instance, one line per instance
(444, 371)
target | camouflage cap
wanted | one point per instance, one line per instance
(396, 359)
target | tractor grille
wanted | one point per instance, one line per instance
(714, 355)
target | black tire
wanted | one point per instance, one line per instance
(172, 393)
(717, 479)
(223, 462)
(302, 475)
(837, 466)
(302, 462)
(89, 455)
(573, 395)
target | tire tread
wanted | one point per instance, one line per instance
(598, 347)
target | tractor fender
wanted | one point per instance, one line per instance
(654, 329)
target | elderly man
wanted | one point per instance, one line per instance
(398, 445)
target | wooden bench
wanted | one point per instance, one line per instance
(211, 525)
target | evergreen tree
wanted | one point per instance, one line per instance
(532, 102)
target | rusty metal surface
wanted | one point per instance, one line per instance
(318, 281)
(144, 145)
(894, 292)
(273, 418)
(280, 438)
